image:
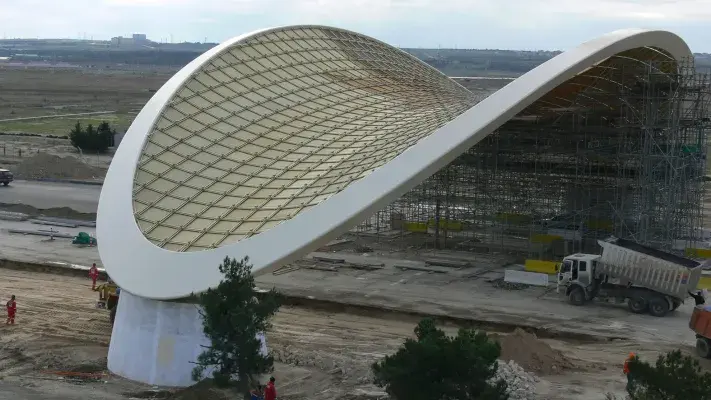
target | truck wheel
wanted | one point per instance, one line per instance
(576, 296)
(703, 348)
(5, 183)
(637, 305)
(658, 306)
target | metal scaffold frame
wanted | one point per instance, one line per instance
(626, 158)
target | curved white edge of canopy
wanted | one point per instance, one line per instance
(146, 270)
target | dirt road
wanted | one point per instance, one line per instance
(60, 337)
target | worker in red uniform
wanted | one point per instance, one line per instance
(270, 390)
(626, 371)
(94, 275)
(11, 310)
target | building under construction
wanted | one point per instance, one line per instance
(617, 150)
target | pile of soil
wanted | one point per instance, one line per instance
(202, 391)
(531, 353)
(49, 166)
(57, 212)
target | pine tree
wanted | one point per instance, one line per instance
(234, 314)
(436, 367)
(673, 377)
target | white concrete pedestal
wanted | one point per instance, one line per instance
(156, 342)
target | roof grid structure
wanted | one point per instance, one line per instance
(274, 125)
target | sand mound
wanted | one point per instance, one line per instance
(531, 353)
(49, 166)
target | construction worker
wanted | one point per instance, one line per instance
(699, 298)
(94, 275)
(626, 371)
(270, 390)
(11, 310)
(256, 394)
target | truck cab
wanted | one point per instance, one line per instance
(577, 270)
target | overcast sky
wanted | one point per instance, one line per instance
(506, 24)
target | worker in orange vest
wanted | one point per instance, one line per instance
(11, 311)
(626, 371)
(94, 275)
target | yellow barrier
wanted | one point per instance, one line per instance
(448, 225)
(600, 224)
(697, 253)
(512, 218)
(543, 238)
(704, 282)
(544, 267)
(415, 226)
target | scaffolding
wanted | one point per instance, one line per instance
(626, 158)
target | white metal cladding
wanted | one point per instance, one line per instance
(141, 266)
(642, 269)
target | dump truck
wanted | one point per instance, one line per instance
(650, 280)
(700, 323)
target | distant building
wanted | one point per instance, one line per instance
(137, 39)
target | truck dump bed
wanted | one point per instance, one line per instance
(644, 266)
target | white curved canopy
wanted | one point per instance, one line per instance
(274, 142)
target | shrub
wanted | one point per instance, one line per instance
(436, 366)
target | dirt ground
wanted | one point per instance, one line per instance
(58, 350)
(38, 91)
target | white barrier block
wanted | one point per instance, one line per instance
(529, 278)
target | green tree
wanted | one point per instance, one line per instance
(435, 366)
(76, 135)
(673, 377)
(90, 139)
(234, 314)
(105, 134)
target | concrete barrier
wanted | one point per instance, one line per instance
(528, 278)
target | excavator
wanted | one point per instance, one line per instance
(108, 298)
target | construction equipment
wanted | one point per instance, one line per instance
(84, 239)
(108, 298)
(650, 280)
(700, 323)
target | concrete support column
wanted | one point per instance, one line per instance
(156, 342)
